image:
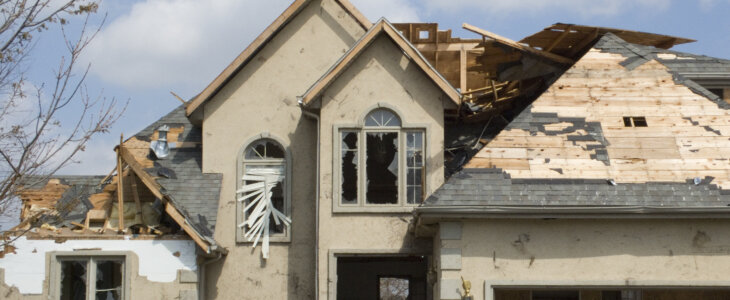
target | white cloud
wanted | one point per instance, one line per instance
(177, 42)
(394, 10)
(583, 7)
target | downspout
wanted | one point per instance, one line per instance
(316, 199)
(202, 270)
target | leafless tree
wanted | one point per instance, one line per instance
(34, 142)
(394, 288)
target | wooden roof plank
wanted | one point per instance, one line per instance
(516, 45)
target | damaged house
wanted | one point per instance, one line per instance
(336, 158)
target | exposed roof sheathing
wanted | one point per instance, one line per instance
(576, 128)
(568, 39)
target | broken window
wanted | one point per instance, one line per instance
(382, 167)
(389, 169)
(84, 278)
(349, 164)
(263, 199)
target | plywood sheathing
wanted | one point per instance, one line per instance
(43, 199)
(688, 135)
(570, 39)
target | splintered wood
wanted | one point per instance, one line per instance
(688, 135)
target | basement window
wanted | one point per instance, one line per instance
(635, 122)
(381, 164)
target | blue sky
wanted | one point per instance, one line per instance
(148, 48)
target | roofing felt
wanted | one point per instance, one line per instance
(74, 203)
(493, 187)
(180, 174)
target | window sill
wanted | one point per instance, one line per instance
(373, 209)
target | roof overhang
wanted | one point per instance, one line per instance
(434, 214)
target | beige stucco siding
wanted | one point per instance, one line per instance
(381, 74)
(262, 98)
(598, 252)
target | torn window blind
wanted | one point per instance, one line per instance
(349, 164)
(382, 167)
(382, 118)
(414, 167)
(263, 209)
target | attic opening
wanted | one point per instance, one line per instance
(635, 122)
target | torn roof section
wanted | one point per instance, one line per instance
(572, 149)
(178, 177)
(160, 196)
(386, 28)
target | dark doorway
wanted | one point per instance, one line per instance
(386, 278)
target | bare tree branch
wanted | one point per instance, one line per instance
(34, 143)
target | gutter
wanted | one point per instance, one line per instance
(430, 214)
(314, 116)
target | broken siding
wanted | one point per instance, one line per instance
(576, 130)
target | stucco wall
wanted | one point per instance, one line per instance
(381, 74)
(262, 98)
(154, 266)
(591, 252)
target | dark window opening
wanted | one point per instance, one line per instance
(635, 122)
(73, 280)
(391, 278)
(382, 167)
(101, 278)
(349, 167)
(108, 279)
(276, 191)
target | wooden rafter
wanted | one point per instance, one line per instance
(156, 190)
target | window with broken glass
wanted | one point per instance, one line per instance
(381, 164)
(84, 278)
(263, 204)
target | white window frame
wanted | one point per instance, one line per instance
(241, 165)
(91, 257)
(361, 204)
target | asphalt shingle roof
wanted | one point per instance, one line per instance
(180, 174)
(493, 187)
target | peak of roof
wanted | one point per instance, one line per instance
(260, 42)
(380, 27)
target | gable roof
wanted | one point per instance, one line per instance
(242, 59)
(381, 27)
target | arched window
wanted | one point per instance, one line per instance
(263, 196)
(391, 170)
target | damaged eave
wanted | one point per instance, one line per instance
(206, 244)
(382, 26)
(428, 215)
